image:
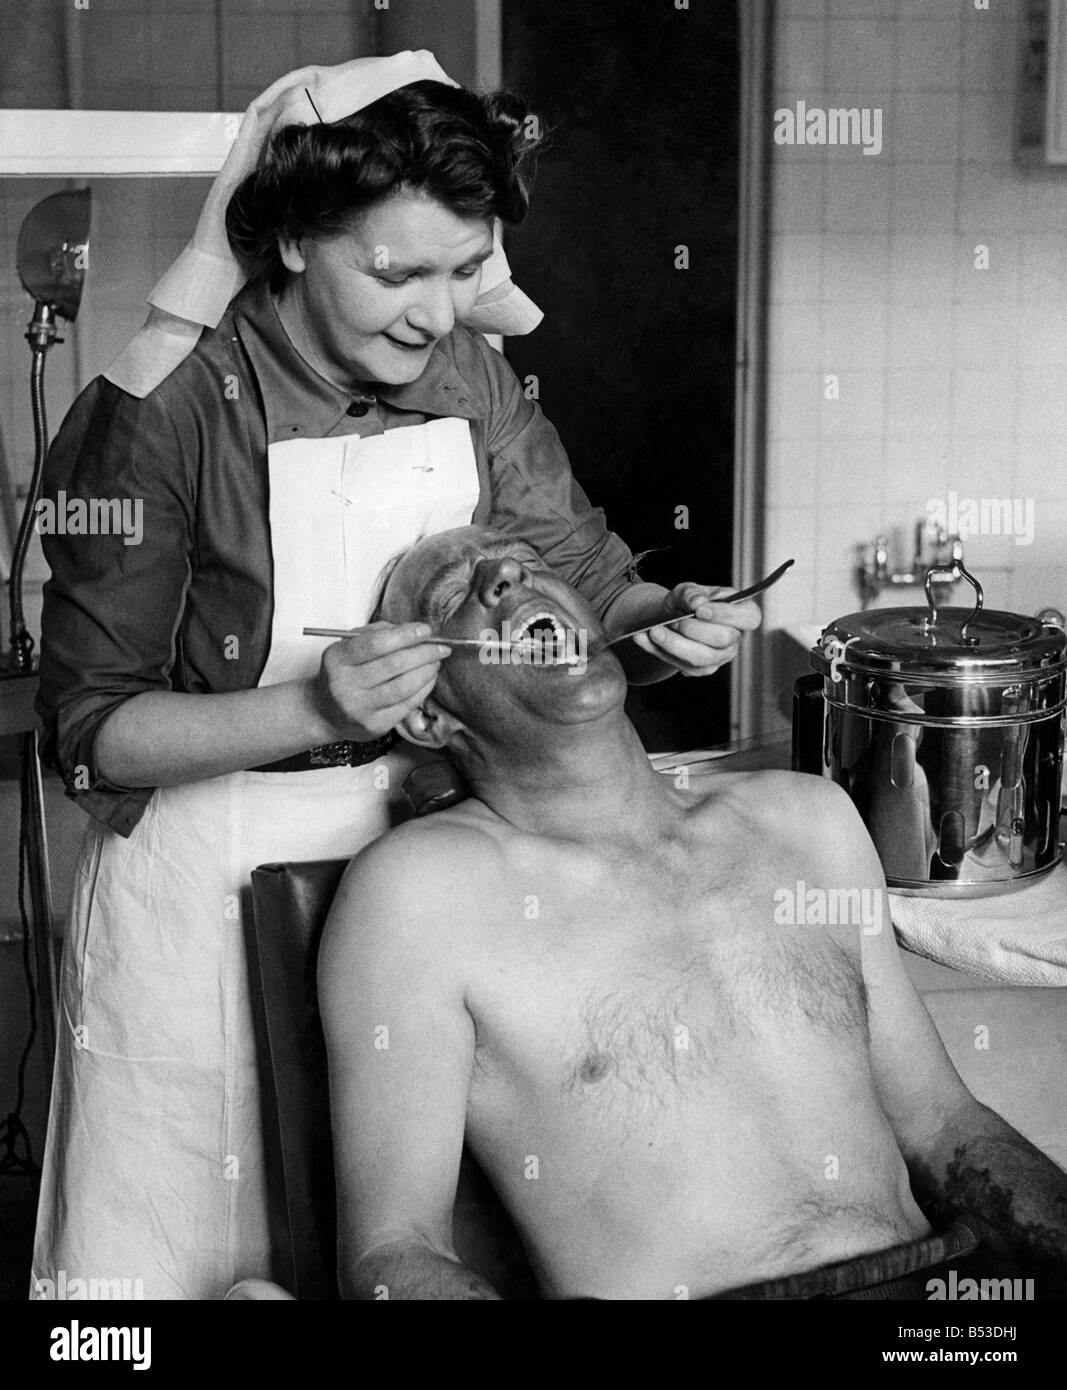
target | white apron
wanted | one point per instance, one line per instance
(153, 1166)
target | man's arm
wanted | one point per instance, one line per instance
(962, 1158)
(400, 1044)
(979, 1164)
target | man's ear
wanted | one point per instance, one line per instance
(292, 255)
(430, 726)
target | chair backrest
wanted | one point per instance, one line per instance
(290, 905)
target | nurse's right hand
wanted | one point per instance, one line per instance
(369, 682)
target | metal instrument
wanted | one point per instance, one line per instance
(596, 648)
(750, 592)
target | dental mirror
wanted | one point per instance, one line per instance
(750, 592)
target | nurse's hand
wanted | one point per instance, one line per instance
(369, 682)
(707, 640)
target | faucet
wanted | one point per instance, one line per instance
(874, 574)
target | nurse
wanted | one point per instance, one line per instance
(339, 407)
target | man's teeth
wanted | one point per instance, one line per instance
(523, 631)
(551, 647)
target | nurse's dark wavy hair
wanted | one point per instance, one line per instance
(471, 153)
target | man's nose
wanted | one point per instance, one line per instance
(497, 579)
(435, 312)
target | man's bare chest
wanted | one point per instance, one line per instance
(649, 972)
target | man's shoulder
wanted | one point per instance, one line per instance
(796, 809)
(439, 866)
(458, 831)
(768, 792)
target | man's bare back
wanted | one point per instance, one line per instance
(672, 1094)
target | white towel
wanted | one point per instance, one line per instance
(1017, 938)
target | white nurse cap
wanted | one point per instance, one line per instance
(194, 292)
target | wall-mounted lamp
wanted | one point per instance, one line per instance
(53, 251)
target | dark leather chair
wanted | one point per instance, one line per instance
(290, 904)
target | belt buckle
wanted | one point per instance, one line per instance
(331, 754)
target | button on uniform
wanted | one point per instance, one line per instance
(358, 408)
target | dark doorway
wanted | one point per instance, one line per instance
(635, 358)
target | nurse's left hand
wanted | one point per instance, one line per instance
(709, 638)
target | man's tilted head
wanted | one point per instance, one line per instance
(482, 585)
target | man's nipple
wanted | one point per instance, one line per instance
(595, 1066)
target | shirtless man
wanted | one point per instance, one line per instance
(580, 966)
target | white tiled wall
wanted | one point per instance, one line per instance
(951, 378)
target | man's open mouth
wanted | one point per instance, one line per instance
(542, 638)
